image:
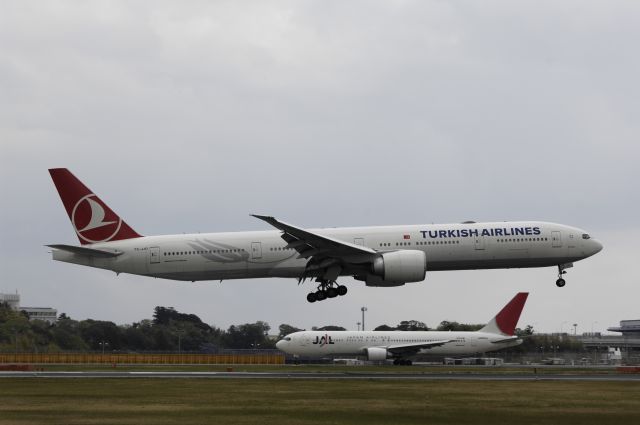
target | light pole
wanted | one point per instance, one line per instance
(575, 329)
(103, 344)
(358, 325)
(363, 309)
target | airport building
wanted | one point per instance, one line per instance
(626, 346)
(47, 314)
(628, 328)
(12, 299)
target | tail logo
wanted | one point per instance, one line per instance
(93, 221)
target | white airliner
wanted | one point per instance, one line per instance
(379, 256)
(398, 345)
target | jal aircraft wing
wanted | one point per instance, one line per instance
(509, 339)
(415, 347)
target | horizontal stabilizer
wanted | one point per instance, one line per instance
(89, 252)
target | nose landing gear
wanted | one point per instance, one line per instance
(326, 289)
(561, 271)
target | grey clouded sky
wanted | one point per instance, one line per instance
(189, 116)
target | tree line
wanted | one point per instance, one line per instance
(172, 331)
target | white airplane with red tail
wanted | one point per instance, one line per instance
(379, 256)
(398, 345)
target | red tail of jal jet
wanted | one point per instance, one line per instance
(91, 218)
(505, 322)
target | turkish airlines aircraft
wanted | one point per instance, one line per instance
(379, 256)
(397, 345)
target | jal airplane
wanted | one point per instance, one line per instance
(398, 345)
(379, 256)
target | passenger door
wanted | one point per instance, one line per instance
(556, 239)
(154, 255)
(256, 250)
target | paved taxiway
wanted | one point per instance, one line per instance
(368, 376)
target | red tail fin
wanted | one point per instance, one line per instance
(505, 322)
(91, 218)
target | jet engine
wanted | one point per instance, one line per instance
(376, 353)
(401, 266)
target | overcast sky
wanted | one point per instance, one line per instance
(188, 116)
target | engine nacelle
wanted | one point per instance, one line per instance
(401, 266)
(376, 354)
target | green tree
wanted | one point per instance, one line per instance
(66, 335)
(329, 328)
(385, 328)
(412, 325)
(248, 335)
(286, 330)
(455, 326)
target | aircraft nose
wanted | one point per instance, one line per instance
(597, 246)
(280, 345)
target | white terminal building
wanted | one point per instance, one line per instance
(46, 314)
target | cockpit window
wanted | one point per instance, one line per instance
(586, 236)
(288, 338)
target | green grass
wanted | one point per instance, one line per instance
(281, 401)
(511, 370)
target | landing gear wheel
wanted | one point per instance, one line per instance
(561, 271)
(311, 297)
(396, 362)
(332, 292)
(320, 295)
(408, 363)
(342, 290)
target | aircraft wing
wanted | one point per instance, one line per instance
(414, 348)
(508, 339)
(328, 255)
(89, 252)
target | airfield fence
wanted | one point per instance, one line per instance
(123, 358)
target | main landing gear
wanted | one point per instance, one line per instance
(402, 362)
(326, 290)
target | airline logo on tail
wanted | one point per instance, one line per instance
(91, 218)
(506, 320)
(90, 221)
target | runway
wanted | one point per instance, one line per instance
(332, 376)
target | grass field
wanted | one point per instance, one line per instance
(281, 401)
(317, 368)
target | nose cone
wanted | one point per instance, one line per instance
(280, 345)
(596, 247)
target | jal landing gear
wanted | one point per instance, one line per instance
(326, 290)
(561, 271)
(402, 362)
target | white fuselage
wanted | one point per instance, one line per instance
(318, 344)
(240, 255)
